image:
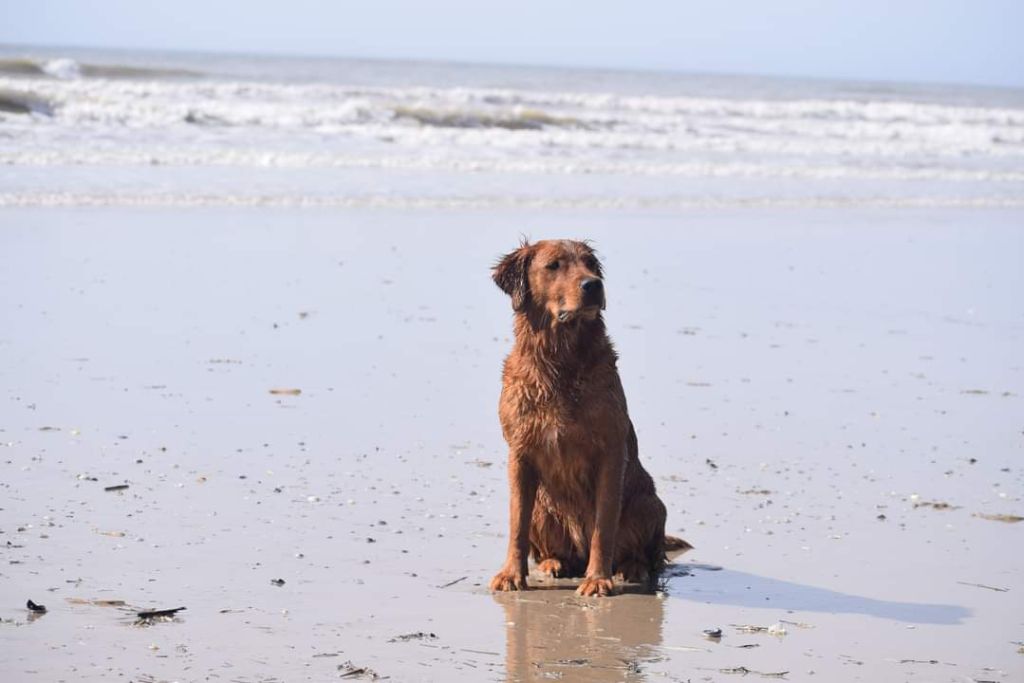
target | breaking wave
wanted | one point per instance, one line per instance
(63, 112)
(527, 119)
(18, 102)
(65, 68)
(600, 120)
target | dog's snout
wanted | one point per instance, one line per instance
(593, 291)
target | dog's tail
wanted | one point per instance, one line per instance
(674, 544)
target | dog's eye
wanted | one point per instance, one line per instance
(552, 266)
(591, 263)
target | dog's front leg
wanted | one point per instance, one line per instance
(522, 481)
(598, 580)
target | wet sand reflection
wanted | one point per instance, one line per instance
(552, 634)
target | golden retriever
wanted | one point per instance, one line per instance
(581, 502)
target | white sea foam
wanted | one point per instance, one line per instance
(153, 117)
(484, 201)
(62, 68)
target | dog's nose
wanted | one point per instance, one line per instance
(593, 291)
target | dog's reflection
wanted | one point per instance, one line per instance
(551, 633)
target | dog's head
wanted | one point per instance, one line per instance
(559, 278)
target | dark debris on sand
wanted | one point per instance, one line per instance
(351, 671)
(418, 635)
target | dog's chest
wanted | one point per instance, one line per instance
(550, 421)
(563, 438)
(558, 416)
(566, 461)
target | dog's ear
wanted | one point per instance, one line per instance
(512, 274)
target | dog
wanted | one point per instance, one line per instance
(581, 504)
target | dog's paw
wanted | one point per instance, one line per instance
(551, 566)
(508, 580)
(596, 586)
(633, 572)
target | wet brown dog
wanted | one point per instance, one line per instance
(581, 503)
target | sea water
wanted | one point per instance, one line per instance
(114, 127)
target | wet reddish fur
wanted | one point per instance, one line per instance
(581, 503)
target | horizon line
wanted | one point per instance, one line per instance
(287, 54)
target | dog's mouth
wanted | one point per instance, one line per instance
(585, 312)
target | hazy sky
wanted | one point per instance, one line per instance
(979, 41)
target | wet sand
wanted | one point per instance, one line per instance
(804, 383)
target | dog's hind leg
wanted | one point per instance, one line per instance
(640, 546)
(551, 544)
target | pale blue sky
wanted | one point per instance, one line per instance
(978, 42)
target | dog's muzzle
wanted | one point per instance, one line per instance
(593, 291)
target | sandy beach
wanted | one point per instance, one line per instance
(303, 406)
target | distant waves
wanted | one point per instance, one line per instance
(65, 68)
(65, 113)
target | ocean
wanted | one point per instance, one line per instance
(91, 127)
